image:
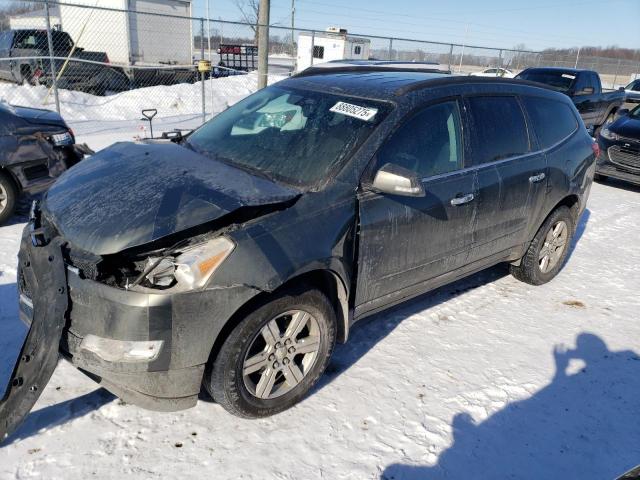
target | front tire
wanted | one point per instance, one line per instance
(8, 197)
(275, 355)
(548, 251)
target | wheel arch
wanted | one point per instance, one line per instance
(325, 280)
(571, 201)
(12, 178)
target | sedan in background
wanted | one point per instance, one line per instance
(620, 148)
(633, 93)
(494, 72)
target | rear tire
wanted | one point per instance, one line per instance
(8, 197)
(548, 250)
(269, 362)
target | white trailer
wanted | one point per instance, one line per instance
(334, 44)
(127, 38)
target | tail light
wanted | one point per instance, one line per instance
(596, 148)
(106, 59)
(37, 74)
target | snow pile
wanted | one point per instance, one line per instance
(170, 101)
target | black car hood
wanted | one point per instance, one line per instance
(38, 116)
(131, 194)
(627, 127)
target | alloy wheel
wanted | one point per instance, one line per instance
(554, 246)
(4, 198)
(281, 354)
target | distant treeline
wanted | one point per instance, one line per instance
(604, 52)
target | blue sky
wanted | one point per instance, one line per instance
(502, 23)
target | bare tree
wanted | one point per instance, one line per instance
(249, 12)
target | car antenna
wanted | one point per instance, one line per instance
(148, 115)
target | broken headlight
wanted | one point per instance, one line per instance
(191, 269)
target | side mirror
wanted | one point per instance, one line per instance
(623, 112)
(398, 180)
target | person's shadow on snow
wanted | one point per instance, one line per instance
(585, 424)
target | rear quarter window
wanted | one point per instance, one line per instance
(499, 129)
(553, 121)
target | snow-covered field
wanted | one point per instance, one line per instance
(486, 378)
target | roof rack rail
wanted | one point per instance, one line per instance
(366, 66)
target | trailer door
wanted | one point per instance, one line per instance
(163, 38)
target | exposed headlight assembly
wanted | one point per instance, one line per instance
(608, 134)
(189, 270)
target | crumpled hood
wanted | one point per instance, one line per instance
(38, 116)
(131, 194)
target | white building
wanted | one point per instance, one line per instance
(334, 44)
(127, 38)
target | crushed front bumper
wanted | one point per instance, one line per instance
(183, 327)
(91, 324)
(43, 308)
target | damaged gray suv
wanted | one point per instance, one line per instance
(237, 256)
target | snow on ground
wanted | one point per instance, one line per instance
(488, 378)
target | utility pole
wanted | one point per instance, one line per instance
(263, 43)
(293, 26)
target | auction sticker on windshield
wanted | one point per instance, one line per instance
(355, 111)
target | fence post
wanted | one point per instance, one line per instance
(391, 49)
(450, 56)
(54, 76)
(615, 77)
(313, 45)
(202, 74)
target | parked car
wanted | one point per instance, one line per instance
(633, 92)
(29, 51)
(238, 257)
(36, 147)
(494, 72)
(596, 107)
(620, 148)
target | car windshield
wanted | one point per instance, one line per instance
(289, 135)
(558, 80)
(635, 113)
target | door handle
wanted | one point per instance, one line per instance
(537, 178)
(462, 199)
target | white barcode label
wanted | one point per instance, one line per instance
(355, 111)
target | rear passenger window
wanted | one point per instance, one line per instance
(552, 120)
(499, 129)
(429, 143)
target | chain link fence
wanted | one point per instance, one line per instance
(100, 64)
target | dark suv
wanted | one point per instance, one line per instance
(238, 257)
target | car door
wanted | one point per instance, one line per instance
(584, 98)
(406, 241)
(511, 174)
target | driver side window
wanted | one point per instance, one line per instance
(429, 143)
